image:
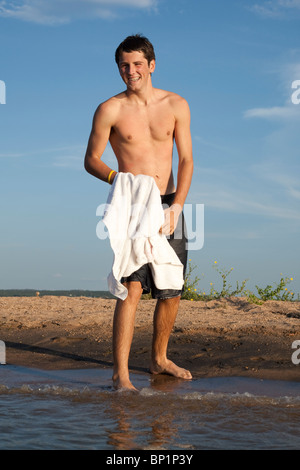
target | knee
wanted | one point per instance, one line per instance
(175, 300)
(172, 302)
(135, 291)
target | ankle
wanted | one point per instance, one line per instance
(158, 356)
(122, 382)
(159, 361)
(120, 375)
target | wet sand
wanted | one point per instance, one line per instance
(221, 338)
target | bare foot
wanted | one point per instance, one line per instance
(123, 384)
(168, 367)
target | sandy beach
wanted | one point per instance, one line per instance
(226, 337)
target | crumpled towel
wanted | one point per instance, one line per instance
(133, 217)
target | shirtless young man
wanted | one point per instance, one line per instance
(141, 124)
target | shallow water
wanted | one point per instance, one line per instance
(78, 409)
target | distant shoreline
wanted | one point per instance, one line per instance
(102, 294)
(63, 292)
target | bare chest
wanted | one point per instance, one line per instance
(141, 125)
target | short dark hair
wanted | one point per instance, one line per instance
(136, 42)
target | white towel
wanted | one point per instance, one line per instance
(133, 217)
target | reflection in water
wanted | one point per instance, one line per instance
(167, 383)
(138, 426)
(164, 430)
(121, 437)
(131, 414)
(79, 410)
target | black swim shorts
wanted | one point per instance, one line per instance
(178, 241)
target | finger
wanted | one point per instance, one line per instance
(167, 229)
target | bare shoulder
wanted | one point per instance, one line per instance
(109, 108)
(177, 103)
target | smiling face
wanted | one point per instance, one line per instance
(135, 70)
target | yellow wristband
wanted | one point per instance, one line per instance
(109, 176)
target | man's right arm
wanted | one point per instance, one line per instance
(99, 137)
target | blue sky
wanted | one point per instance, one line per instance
(234, 61)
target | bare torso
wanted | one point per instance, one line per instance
(142, 137)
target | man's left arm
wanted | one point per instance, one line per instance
(183, 142)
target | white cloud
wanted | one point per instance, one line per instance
(68, 161)
(278, 174)
(288, 76)
(72, 157)
(289, 3)
(276, 8)
(64, 11)
(12, 155)
(258, 190)
(243, 203)
(276, 112)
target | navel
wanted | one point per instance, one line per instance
(129, 137)
(169, 132)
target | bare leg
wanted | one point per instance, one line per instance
(123, 327)
(164, 319)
